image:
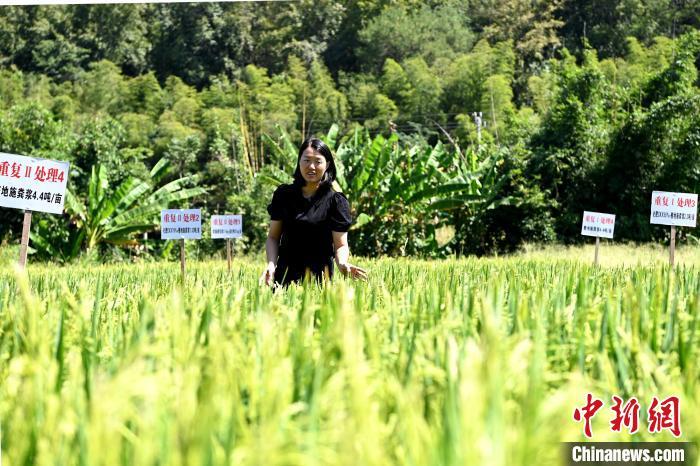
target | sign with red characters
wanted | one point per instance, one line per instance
(226, 226)
(598, 224)
(33, 184)
(181, 224)
(679, 209)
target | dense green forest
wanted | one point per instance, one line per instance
(584, 105)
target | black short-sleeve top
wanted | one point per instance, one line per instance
(307, 241)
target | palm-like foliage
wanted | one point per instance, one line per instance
(115, 217)
(401, 193)
(404, 193)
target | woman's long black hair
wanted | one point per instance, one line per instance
(321, 148)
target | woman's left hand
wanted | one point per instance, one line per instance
(353, 271)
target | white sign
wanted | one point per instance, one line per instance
(679, 209)
(598, 224)
(181, 224)
(226, 226)
(32, 184)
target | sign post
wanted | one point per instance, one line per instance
(228, 254)
(26, 228)
(181, 224)
(599, 225)
(32, 185)
(227, 227)
(182, 259)
(674, 209)
(672, 248)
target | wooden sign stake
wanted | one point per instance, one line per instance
(672, 250)
(26, 227)
(597, 247)
(228, 254)
(182, 259)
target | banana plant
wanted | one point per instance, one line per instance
(400, 192)
(102, 217)
(381, 170)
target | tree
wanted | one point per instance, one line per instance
(11, 87)
(480, 81)
(264, 103)
(102, 88)
(192, 41)
(604, 25)
(400, 32)
(572, 142)
(310, 40)
(327, 104)
(143, 94)
(341, 53)
(29, 129)
(14, 20)
(422, 100)
(497, 102)
(369, 106)
(394, 82)
(118, 33)
(99, 143)
(658, 145)
(138, 129)
(531, 26)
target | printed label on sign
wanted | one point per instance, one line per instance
(33, 184)
(678, 209)
(598, 224)
(181, 224)
(226, 226)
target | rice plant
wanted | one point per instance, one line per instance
(461, 361)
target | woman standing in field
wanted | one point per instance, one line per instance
(309, 222)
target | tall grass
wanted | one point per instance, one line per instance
(429, 363)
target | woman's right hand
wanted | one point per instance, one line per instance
(268, 276)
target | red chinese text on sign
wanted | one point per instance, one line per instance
(41, 174)
(226, 226)
(21, 187)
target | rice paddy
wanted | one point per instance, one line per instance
(461, 361)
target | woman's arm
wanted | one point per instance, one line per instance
(272, 246)
(342, 254)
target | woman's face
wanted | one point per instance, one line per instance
(312, 165)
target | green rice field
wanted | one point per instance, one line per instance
(452, 362)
